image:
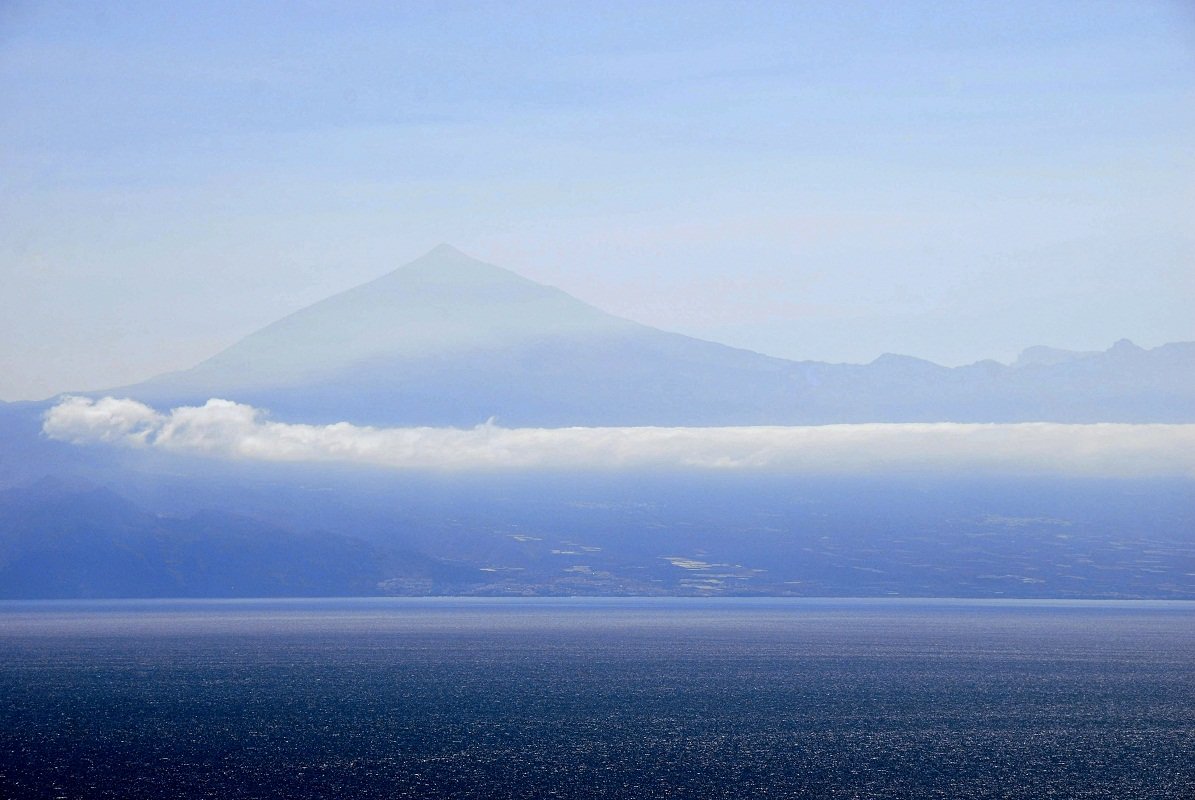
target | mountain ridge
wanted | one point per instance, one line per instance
(451, 340)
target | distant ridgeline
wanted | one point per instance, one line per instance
(449, 340)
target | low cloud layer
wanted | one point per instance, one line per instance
(225, 429)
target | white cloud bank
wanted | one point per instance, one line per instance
(226, 429)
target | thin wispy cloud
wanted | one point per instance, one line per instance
(225, 429)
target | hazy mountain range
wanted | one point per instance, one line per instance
(448, 340)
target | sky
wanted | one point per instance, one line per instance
(826, 181)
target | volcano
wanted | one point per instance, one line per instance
(450, 340)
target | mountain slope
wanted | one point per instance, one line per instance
(449, 340)
(64, 539)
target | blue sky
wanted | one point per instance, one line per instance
(822, 180)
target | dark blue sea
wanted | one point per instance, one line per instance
(561, 698)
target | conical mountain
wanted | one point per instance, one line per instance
(441, 304)
(448, 339)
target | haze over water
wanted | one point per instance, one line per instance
(597, 698)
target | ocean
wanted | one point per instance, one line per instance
(593, 698)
